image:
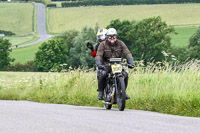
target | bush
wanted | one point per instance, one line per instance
(7, 33)
(51, 5)
(28, 67)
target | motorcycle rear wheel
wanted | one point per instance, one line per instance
(121, 96)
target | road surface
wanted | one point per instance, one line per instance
(31, 117)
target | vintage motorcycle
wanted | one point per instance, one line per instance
(115, 91)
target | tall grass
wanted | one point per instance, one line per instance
(172, 90)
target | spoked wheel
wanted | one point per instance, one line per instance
(121, 96)
(106, 97)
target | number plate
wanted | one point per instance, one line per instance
(116, 68)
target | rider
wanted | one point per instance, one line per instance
(101, 36)
(111, 48)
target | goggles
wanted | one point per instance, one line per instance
(112, 37)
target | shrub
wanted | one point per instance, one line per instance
(51, 5)
(28, 67)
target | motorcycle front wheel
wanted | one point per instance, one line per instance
(106, 97)
(121, 94)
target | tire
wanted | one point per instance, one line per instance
(121, 96)
(108, 106)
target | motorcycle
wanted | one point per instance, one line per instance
(115, 90)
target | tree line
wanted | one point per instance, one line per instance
(148, 40)
(121, 2)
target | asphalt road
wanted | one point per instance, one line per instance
(41, 26)
(31, 117)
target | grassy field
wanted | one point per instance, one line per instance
(23, 22)
(62, 19)
(182, 38)
(16, 17)
(22, 55)
(164, 91)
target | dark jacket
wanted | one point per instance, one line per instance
(107, 50)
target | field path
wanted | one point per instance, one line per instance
(31, 117)
(41, 26)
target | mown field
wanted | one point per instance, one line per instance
(18, 18)
(165, 91)
(62, 19)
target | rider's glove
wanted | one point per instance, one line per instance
(90, 46)
(100, 64)
(130, 63)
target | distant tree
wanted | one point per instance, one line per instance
(68, 37)
(149, 38)
(5, 50)
(194, 45)
(51, 55)
(80, 55)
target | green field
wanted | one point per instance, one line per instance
(16, 17)
(182, 38)
(165, 91)
(22, 55)
(62, 19)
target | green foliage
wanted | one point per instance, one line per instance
(5, 59)
(121, 2)
(194, 45)
(51, 5)
(151, 88)
(68, 38)
(29, 66)
(149, 38)
(80, 55)
(51, 55)
(6, 33)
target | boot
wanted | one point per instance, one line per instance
(100, 96)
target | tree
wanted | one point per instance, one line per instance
(68, 37)
(4, 54)
(194, 45)
(80, 55)
(51, 55)
(149, 38)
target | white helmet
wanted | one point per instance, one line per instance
(111, 31)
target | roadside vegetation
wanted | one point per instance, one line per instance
(167, 71)
(172, 90)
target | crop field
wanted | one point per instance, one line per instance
(62, 19)
(157, 89)
(16, 17)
